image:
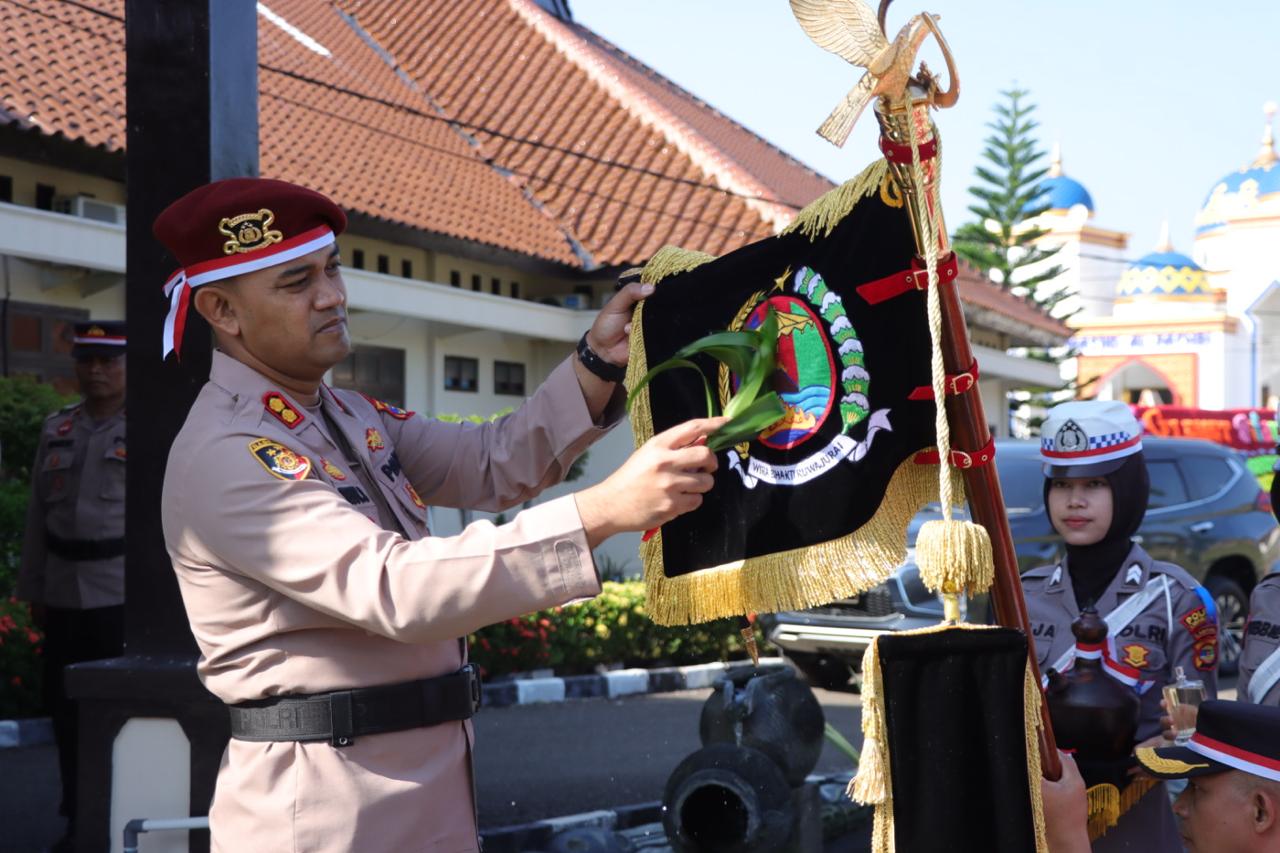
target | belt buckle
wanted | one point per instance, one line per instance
(472, 673)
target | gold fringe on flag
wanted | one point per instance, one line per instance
(823, 214)
(1107, 804)
(1032, 723)
(669, 261)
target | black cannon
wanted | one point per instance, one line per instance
(744, 791)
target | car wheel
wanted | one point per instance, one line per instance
(822, 671)
(1233, 610)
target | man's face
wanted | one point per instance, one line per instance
(293, 317)
(1217, 814)
(100, 377)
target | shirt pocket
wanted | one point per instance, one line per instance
(1141, 646)
(56, 473)
(114, 465)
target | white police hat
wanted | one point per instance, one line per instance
(1088, 438)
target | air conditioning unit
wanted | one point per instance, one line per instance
(90, 208)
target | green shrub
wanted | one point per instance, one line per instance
(611, 628)
(20, 664)
(14, 495)
(24, 404)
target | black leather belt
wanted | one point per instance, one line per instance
(343, 715)
(81, 550)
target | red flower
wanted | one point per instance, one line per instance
(32, 637)
(544, 622)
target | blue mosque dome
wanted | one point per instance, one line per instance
(1163, 273)
(1060, 192)
(1245, 192)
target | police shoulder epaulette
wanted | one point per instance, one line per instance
(394, 411)
(280, 409)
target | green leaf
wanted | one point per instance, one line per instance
(763, 364)
(671, 364)
(841, 743)
(749, 423)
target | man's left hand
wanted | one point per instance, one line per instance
(610, 334)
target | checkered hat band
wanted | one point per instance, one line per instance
(1098, 446)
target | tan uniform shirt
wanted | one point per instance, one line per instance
(292, 585)
(77, 496)
(1261, 638)
(1175, 629)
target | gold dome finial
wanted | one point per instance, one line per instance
(1055, 164)
(1267, 153)
(1164, 244)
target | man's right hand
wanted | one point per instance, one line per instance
(666, 477)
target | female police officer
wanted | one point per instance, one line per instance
(1158, 617)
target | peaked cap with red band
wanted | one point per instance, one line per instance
(237, 226)
(98, 338)
(1229, 736)
(1088, 438)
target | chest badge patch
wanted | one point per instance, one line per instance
(413, 495)
(120, 452)
(373, 439)
(332, 470)
(279, 460)
(64, 427)
(1136, 655)
(280, 409)
(386, 408)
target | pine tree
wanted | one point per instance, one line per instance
(1007, 195)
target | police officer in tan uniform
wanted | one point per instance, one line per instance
(72, 567)
(1260, 659)
(327, 615)
(1159, 617)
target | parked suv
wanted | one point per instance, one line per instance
(1206, 513)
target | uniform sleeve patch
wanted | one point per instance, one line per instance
(1206, 653)
(386, 408)
(280, 461)
(1203, 628)
(1197, 621)
(275, 403)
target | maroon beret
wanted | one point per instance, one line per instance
(237, 226)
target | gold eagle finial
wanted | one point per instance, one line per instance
(851, 30)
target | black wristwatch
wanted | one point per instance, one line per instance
(607, 371)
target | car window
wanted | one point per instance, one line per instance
(1167, 487)
(1022, 483)
(1205, 475)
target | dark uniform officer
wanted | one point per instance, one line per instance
(1260, 659)
(1159, 618)
(73, 547)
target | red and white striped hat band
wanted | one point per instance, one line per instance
(99, 340)
(1235, 757)
(179, 286)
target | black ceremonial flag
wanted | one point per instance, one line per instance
(815, 508)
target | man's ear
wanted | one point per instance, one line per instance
(215, 306)
(1265, 803)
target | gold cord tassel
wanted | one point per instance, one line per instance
(1031, 724)
(953, 556)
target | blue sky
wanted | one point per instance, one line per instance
(1152, 102)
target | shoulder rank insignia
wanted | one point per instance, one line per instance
(386, 408)
(280, 409)
(373, 438)
(279, 460)
(332, 470)
(413, 495)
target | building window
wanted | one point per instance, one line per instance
(39, 343)
(406, 268)
(455, 278)
(384, 264)
(461, 374)
(475, 283)
(6, 188)
(495, 286)
(508, 378)
(357, 258)
(376, 371)
(515, 290)
(44, 196)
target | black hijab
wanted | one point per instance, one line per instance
(1092, 567)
